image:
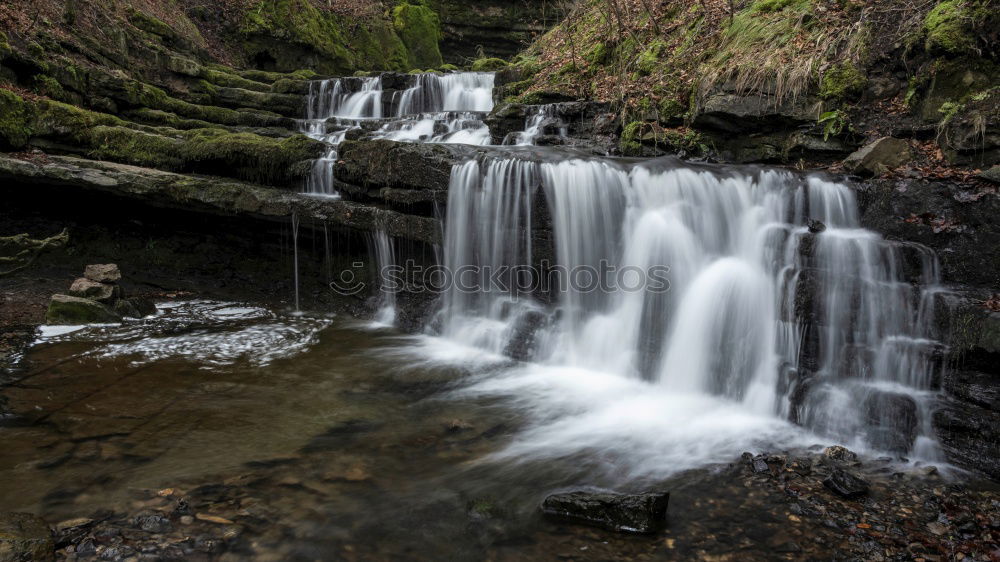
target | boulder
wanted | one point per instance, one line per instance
(25, 538)
(66, 310)
(103, 273)
(639, 513)
(878, 157)
(845, 484)
(101, 292)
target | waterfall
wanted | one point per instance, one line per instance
(534, 125)
(446, 108)
(384, 251)
(464, 91)
(777, 299)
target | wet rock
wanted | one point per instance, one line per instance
(892, 421)
(640, 513)
(383, 163)
(878, 157)
(135, 307)
(65, 310)
(153, 523)
(815, 226)
(105, 293)
(103, 273)
(845, 484)
(839, 453)
(25, 538)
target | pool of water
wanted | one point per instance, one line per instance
(347, 437)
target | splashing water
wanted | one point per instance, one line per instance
(780, 306)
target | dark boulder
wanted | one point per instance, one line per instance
(640, 513)
(891, 421)
(383, 163)
(845, 484)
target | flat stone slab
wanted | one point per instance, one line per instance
(638, 513)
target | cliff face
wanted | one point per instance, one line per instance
(495, 28)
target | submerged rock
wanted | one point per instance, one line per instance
(843, 483)
(66, 310)
(24, 537)
(639, 513)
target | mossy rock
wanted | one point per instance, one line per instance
(65, 310)
(16, 121)
(24, 536)
(121, 144)
(247, 156)
(843, 82)
(948, 30)
(488, 65)
(420, 30)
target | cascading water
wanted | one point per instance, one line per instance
(446, 108)
(534, 125)
(383, 250)
(329, 99)
(778, 300)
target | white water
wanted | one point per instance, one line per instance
(384, 251)
(713, 365)
(545, 115)
(446, 108)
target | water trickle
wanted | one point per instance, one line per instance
(383, 249)
(819, 325)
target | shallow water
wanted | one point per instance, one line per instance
(360, 440)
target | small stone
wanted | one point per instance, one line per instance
(213, 519)
(839, 453)
(186, 520)
(101, 292)
(153, 523)
(103, 273)
(845, 484)
(816, 226)
(937, 528)
(760, 465)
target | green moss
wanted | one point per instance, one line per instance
(247, 156)
(121, 144)
(295, 34)
(448, 68)
(599, 54)
(488, 65)
(843, 81)
(49, 86)
(5, 49)
(16, 119)
(650, 59)
(948, 28)
(229, 80)
(150, 24)
(629, 142)
(420, 29)
(766, 6)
